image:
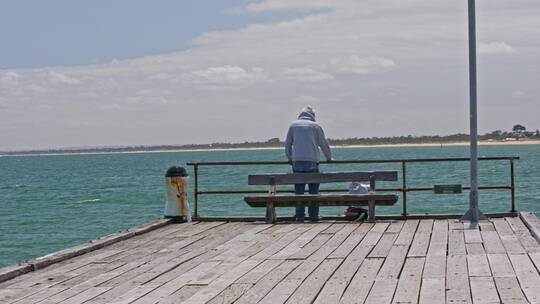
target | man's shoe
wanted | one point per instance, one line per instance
(299, 219)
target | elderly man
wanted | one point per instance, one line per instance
(302, 144)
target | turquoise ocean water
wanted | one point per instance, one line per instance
(48, 203)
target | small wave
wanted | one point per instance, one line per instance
(88, 201)
(21, 186)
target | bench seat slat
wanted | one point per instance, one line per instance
(327, 177)
(322, 200)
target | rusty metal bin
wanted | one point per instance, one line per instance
(176, 188)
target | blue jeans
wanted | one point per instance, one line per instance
(299, 189)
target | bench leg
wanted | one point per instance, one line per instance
(371, 210)
(270, 213)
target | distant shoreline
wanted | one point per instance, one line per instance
(428, 144)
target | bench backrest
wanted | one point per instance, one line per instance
(330, 177)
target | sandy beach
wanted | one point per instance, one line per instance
(432, 144)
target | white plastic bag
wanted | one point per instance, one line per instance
(358, 188)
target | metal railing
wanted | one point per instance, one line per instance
(404, 188)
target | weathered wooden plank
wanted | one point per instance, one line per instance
(332, 291)
(181, 295)
(475, 248)
(60, 269)
(535, 257)
(99, 243)
(207, 271)
(171, 267)
(327, 177)
(373, 236)
(406, 234)
(527, 275)
(258, 272)
(528, 242)
(393, 263)
(351, 241)
(478, 265)
(277, 245)
(421, 239)
(85, 278)
(384, 245)
(456, 242)
(335, 227)
(84, 296)
(133, 295)
(486, 226)
(432, 291)
(408, 289)
(268, 282)
(472, 233)
(439, 238)
(395, 226)
(309, 289)
(10, 272)
(532, 222)
(510, 291)
(359, 287)
(285, 228)
(500, 265)
(38, 296)
(455, 225)
(163, 291)
(492, 242)
(523, 234)
(483, 290)
(310, 247)
(457, 280)
(218, 285)
(230, 294)
(507, 236)
(516, 224)
(285, 288)
(301, 241)
(382, 291)
(435, 266)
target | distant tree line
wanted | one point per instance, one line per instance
(518, 132)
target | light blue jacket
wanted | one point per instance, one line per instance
(304, 138)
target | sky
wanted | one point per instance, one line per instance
(117, 73)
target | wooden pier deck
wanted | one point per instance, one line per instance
(426, 261)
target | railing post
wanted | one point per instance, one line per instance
(404, 188)
(196, 189)
(512, 185)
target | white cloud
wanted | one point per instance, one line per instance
(288, 5)
(497, 47)
(520, 95)
(10, 78)
(360, 62)
(228, 75)
(357, 65)
(306, 75)
(58, 78)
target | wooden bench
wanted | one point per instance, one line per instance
(271, 200)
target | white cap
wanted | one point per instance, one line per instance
(309, 109)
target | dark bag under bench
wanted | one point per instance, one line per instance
(271, 200)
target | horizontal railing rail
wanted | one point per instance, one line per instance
(404, 189)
